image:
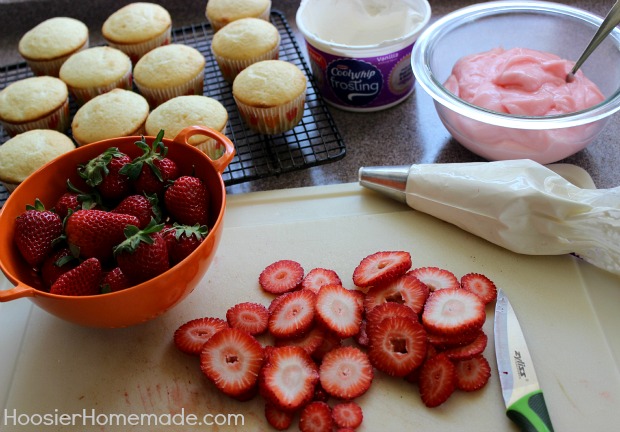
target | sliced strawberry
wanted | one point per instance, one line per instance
(191, 336)
(316, 417)
(452, 311)
(347, 415)
(405, 289)
(480, 285)
(338, 309)
(472, 374)
(436, 278)
(470, 350)
(82, 280)
(437, 380)
(397, 346)
(309, 341)
(388, 310)
(381, 267)
(317, 277)
(281, 276)
(445, 342)
(330, 342)
(288, 378)
(414, 375)
(277, 418)
(294, 315)
(346, 372)
(248, 316)
(276, 301)
(231, 359)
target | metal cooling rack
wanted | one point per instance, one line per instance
(314, 141)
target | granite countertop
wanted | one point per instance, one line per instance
(408, 133)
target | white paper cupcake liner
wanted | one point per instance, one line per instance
(56, 120)
(218, 24)
(83, 95)
(52, 67)
(272, 121)
(230, 68)
(137, 50)
(157, 96)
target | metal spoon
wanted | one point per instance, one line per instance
(609, 23)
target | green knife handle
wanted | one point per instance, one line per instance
(530, 413)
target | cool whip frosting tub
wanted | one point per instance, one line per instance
(360, 50)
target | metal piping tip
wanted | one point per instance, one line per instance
(389, 180)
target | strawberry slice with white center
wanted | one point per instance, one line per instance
(316, 417)
(472, 374)
(397, 346)
(406, 289)
(288, 378)
(309, 341)
(452, 311)
(437, 380)
(381, 267)
(436, 278)
(248, 316)
(294, 315)
(346, 372)
(281, 276)
(388, 310)
(470, 350)
(191, 336)
(339, 310)
(317, 277)
(277, 418)
(347, 415)
(231, 359)
(480, 285)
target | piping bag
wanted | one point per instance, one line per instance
(520, 205)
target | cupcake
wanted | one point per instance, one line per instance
(183, 111)
(270, 96)
(25, 153)
(34, 103)
(95, 71)
(221, 12)
(243, 42)
(46, 46)
(170, 71)
(116, 113)
(138, 28)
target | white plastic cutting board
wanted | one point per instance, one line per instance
(568, 310)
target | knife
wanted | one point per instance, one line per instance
(525, 404)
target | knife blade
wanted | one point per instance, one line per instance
(525, 403)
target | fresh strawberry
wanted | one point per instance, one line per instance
(191, 336)
(143, 254)
(470, 350)
(338, 310)
(114, 280)
(405, 289)
(288, 378)
(480, 285)
(232, 359)
(316, 417)
(381, 267)
(317, 277)
(277, 418)
(451, 311)
(82, 280)
(309, 341)
(388, 310)
(281, 276)
(435, 278)
(143, 207)
(187, 201)
(36, 230)
(347, 415)
(472, 374)
(346, 372)
(56, 264)
(103, 173)
(248, 316)
(294, 315)
(437, 380)
(182, 240)
(397, 346)
(75, 199)
(94, 233)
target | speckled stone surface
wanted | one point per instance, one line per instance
(408, 133)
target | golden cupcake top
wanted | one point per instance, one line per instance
(53, 38)
(226, 11)
(32, 98)
(96, 66)
(245, 38)
(168, 65)
(269, 83)
(136, 23)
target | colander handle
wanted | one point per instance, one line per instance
(220, 163)
(19, 291)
